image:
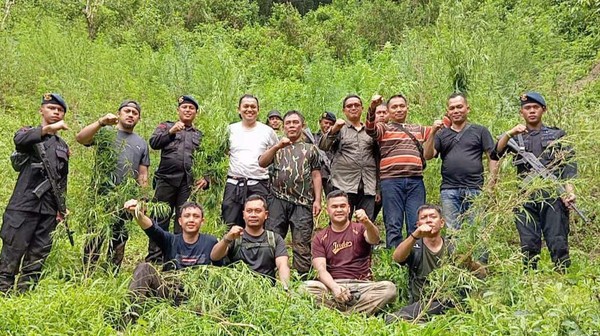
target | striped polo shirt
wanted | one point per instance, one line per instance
(400, 156)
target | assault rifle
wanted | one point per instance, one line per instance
(52, 180)
(540, 170)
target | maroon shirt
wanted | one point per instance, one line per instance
(348, 254)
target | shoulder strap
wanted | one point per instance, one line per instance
(457, 138)
(237, 244)
(271, 239)
(418, 256)
(417, 143)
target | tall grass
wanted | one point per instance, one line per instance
(494, 49)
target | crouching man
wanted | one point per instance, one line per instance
(262, 250)
(342, 257)
(422, 252)
(186, 249)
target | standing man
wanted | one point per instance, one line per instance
(296, 187)
(342, 258)
(248, 140)
(325, 123)
(173, 179)
(32, 212)
(381, 116)
(543, 212)
(401, 166)
(262, 250)
(133, 161)
(274, 120)
(461, 147)
(353, 169)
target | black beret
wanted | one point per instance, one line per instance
(187, 99)
(131, 103)
(533, 97)
(54, 98)
(328, 116)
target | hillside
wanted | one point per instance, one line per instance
(98, 53)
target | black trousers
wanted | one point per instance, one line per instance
(285, 215)
(175, 197)
(362, 201)
(235, 196)
(26, 243)
(327, 186)
(116, 247)
(547, 216)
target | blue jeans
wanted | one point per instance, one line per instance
(455, 203)
(402, 196)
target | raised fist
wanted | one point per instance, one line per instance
(179, 126)
(108, 119)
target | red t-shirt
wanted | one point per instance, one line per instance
(348, 254)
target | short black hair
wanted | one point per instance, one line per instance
(457, 94)
(292, 112)
(188, 205)
(428, 206)
(256, 197)
(337, 193)
(399, 95)
(247, 95)
(351, 96)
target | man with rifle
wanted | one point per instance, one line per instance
(37, 203)
(537, 153)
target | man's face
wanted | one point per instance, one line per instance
(381, 114)
(458, 109)
(397, 109)
(255, 214)
(325, 125)
(353, 109)
(532, 113)
(248, 109)
(292, 126)
(275, 123)
(187, 113)
(191, 220)
(128, 117)
(432, 218)
(52, 113)
(338, 209)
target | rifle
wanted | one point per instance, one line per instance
(52, 180)
(540, 170)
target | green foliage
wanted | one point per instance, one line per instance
(153, 51)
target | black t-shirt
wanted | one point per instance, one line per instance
(175, 249)
(257, 254)
(461, 161)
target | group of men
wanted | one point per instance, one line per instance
(275, 184)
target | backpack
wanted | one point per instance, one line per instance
(238, 245)
(18, 160)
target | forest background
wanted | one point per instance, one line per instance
(306, 55)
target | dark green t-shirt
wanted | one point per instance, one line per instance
(421, 261)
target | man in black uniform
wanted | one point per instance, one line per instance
(174, 179)
(32, 212)
(543, 212)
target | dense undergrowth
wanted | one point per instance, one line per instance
(153, 51)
